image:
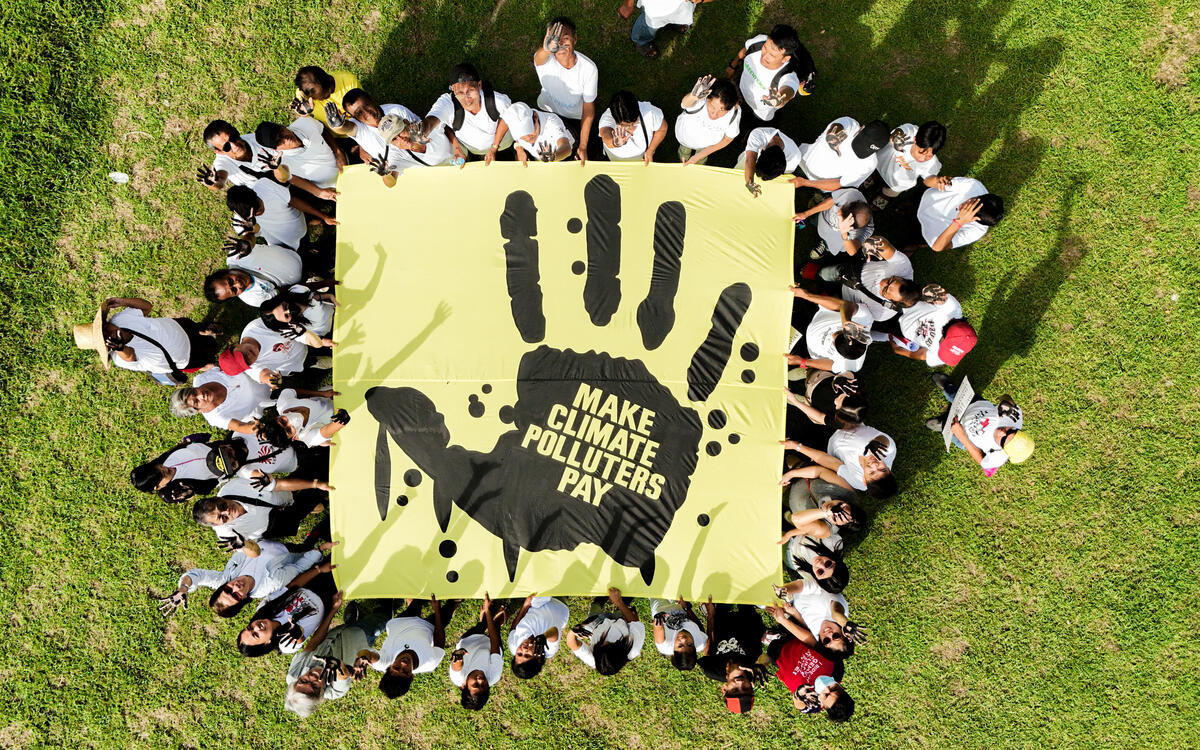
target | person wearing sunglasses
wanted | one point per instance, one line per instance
(236, 158)
(989, 432)
(825, 615)
(807, 670)
(859, 458)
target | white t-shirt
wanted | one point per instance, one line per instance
(410, 634)
(319, 314)
(899, 169)
(478, 130)
(820, 162)
(234, 172)
(848, 445)
(190, 462)
(244, 397)
(980, 421)
(308, 623)
(438, 151)
(280, 223)
(818, 337)
(552, 130)
(320, 413)
(694, 129)
(148, 357)
(651, 120)
(369, 138)
(314, 160)
(827, 221)
(939, 208)
(544, 613)
(281, 463)
(760, 138)
(611, 631)
(924, 324)
(815, 605)
(660, 13)
(271, 268)
(872, 274)
(479, 656)
(564, 92)
(677, 620)
(272, 556)
(755, 82)
(343, 643)
(253, 523)
(276, 353)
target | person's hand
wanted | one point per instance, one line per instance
(259, 480)
(837, 515)
(790, 445)
(231, 543)
(485, 609)
(336, 603)
(341, 416)
(648, 157)
(773, 98)
(206, 176)
(581, 154)
(552, 42)
(845, 223)
(806, 698)
(693, 159)
(458, 654)
(293, 637)
(582, 630)
(760, 673)
(460, 158)
(545, 152)
(795, 360)
(1007, 409)
(270, 377)
(322, 485)
(625, 10)
(328, 220)
(359, 670)
(301, 107)
(968, 211)
(845, 386)
(856, 331)
(246, 228)
(660, 619)
(333, 116)
(326, 546)
(754, 188)
(326, 567)
(168, 605)
(776, 613)
(934, 294)
(614, 594)
(522, 156)
(684, 605)
(703, 86)
(938, 182)
(709, 609)
(416, 133)
(799, 219)
(378, 164)
(873, 247)
(878, 447)
(490, 156)
(327, 194)
(621, 136)
(237, 247)
(854, 632)
(269, 160)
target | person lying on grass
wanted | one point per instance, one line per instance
(678, 633)
(477, 662)
(285, 620)
(606, 641)
(536, 633)
(859, 458)
(810, 673)
(413, 646)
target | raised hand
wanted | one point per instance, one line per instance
(246, 228)
(237, 247)
(854, 632)
(806, 698)
(873, 247)
(773, 98)
(621, 135)
(856, 332)
(293, 637)
(168, 605)
(341, 416)
(206, 176)
(703, 86)
(878, 447)
(939, 182)
(379, 164)
(545, 152)
(934, 294)
(334, 116)
(760, 673)
(231, 543)
(271, 161)
(838, 515)
(552, 42)
(845, 223)
(416, 133)
(300, 107)
(1007, 409)
(260, 480)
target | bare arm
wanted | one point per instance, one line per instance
(703, 153)
(959, 432)
(585, 129)
(134, 303)
(308, 208)
(825, 186)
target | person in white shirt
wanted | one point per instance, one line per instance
(958, 214)
(631, 130)
(536, 633)
(309, 419)
(858, 458)
(165, 348)
(991, 433)
(179, 473)
(286, 618)
(307, 152)
(884, 284)
(270, 210)
(413, 646)
(769, 153)
(844, 222)
(255, 274)
(710, 120)
(265, 354)
(228, 402)
(657, 14)
(322, 670)
(606, 642)
(247, 510)
(825, 615)
(406, 143)
(775, 68)
(539, 134)
(933, 330)
(835, 338)
(239, 159)
(472, 109)
(362, 122)
(829, 163)
(678, 632)
(910, 155)
(569, 80)
(478, 660)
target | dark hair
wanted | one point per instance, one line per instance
(210, 284)
(314, 74)
(203, 507)
(611, 656)
(352, 96)
(270, 431)
(296, 303)
(684, 658)
(463, 72)
(847, 347)
(843, 708)
(861, 211)
(836, 582)
(393, 685)
(268, 134)
(858, 516)
(146, 477)
(785, 38)
(910, 293)
(991, 210)
(724, 90)
(529, 668)
(931, 135)
(217, 127)
(474, 703)
(567, 24)
(229, 611)
(254, 650)
(624, 106)
(268, 611)
(882, 488)
(853, 410)
(242, 200)
(771, 163)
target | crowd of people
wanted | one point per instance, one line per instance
(256, 486)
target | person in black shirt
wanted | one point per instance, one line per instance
(735, 654)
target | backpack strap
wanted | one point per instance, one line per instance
(642, 122)
(460, 114)
(489, 101)
(176, 374)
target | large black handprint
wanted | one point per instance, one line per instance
(599, 451)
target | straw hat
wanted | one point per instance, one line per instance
(91, 336)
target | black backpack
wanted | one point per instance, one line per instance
(489, 105)
(801, 63)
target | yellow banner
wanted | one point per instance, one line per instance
(560, 378)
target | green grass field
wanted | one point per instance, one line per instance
(1052, 606)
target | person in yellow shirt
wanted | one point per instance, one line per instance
(315, 89)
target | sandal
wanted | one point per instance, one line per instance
(648, 51)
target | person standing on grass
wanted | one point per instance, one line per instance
(606, 642)
(829, 163)
(806, 669)
(288, 617)
(541, 135)
(657, 14)
(769, 153)
(536, 633)
(631, 130)
(678, 633)
(478, 661)
(472, 109)
(932, 330)
(710, 120)
(308, 153)
(990, 433)
(166, 349)
(823, 614)
(361, 122)
(243, 512)
(323, 669)
(569, 80)
(238, 160)
(858, 458)
(844, 222)
(958, 213)
(271, 211)
(775, 68)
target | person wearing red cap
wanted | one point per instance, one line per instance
(932, 331)
(735, 657)
(811, 673)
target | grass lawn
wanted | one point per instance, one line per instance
(1053, 605)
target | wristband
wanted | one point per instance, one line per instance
(956, 221)
(804, 362)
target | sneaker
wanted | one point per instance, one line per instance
(819, 251)
(935, 424)
(941, 380)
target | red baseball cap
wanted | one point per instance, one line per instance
(958, 339)
(232, 362)
(740, 705)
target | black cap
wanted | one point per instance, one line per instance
(873, 136)
(464, 73)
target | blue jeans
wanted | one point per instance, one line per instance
(371, 624)
(642, 34)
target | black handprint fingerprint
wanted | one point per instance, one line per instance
(599, 451)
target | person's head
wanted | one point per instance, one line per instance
(848, 348)
(991, 210)
(398, 677)
(861, 211)
(315, 83)
(306, 694)
(611, 656)
(831, 573)
(738, 688)
(149, 477)
(872, 137)
(832, 642)
(187, 402)
(569, 36)
(1016, 444)
(239, 357)
(780, 45)
(770, 163)
(216, 511)
(722, 98)
(854, 513)
(230, 597)
(838, 704)
(522, 121)
(359, 105)
(683, 651)
(849, 409)
(465, 85)
(243, 201)
(530, 657)
(624, 108)
(225, 284)
(260, 637)
(930, 138)
(475, 691)
(285, 311)
(274, 430)
(882, 483)
(272, 135)
(899, 290)
(224, 138)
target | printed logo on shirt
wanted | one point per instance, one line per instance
(928, 332)
(807, 665)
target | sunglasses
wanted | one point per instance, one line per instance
(226, 147)
(826, 640)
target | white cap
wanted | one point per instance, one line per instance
(519, 118)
